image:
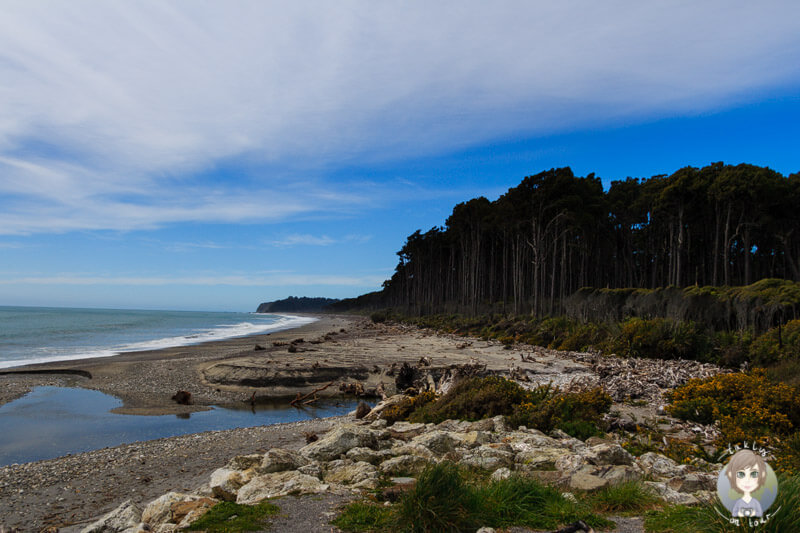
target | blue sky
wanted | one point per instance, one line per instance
(213, 155)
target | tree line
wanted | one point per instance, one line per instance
(555, 233)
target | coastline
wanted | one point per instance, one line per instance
(146, 380)
(74, 489)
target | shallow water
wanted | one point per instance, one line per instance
(55, 421)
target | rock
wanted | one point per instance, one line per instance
(367, 455)
(362, 410)
(406, 430)
(339, 441)
(475, 438)
(671, 496)
(587, 482)
(458, 426)
(439, 442)
(183, 397)
(278, 484)
(280, 460)
(540, 458)
(186, 513)
(569, 496)
(159, 511)
(359, 473)
(693, 482)
(488, 458)
(617, 474)
(225, 483)
(486, 530)
(594, 441)
(657, 465)
(412, 449)
(312, 469)
(608, 454)
(499, 422)
(487, 424)
(500, 474)
(570, 462)
(243, 462)
(259, 348)
(126, 516)
(404, 465)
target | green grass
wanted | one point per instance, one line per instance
(630, 497)
(364, 517)
(232, 517)
(714, 518)
(446, 498)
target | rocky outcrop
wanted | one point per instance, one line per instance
(359, 455)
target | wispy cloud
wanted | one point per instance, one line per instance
(112, 109)
(298, 239)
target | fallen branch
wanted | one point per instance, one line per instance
(300, 398)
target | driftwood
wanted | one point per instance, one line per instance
(304, 399)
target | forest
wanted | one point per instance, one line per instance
(556, 233)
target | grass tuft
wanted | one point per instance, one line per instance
(232, 517)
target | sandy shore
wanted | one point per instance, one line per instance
(75, 489)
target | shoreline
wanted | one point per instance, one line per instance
(115, 374)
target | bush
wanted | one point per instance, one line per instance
(661, 338)
(232, 517)
(576, 413)
(748, 406)
(777, 344)
(402, 410)
(473, 399)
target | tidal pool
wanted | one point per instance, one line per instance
(55, 421)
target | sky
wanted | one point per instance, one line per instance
(210, 155)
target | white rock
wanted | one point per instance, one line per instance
(607, 454)
(404, 464)
(225, 483)
(437, 441)
(278, 484)
(500, 474)
(159, 511)
(126, 516)
(280, 460)
(339, 441)
(671, 496)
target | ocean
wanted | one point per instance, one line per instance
(42, 334)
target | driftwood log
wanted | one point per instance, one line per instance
(299, 399)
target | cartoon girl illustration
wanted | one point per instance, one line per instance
(747, 472)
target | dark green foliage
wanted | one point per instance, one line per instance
(626, 497)
(298, 305)
(555, 232)
(442, 500)
(232, 517)
(543, 408)
(661, 339)
(473, 399)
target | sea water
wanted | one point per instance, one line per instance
(39, 334)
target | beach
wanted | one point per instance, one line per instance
(74, 489)
(69, 492)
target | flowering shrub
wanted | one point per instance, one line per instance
(747, 406)
(401, 411)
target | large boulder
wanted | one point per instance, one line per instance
(125, 518)
(540, 458)
(587, 482)
(245, 462)
(404, 465)
(278, 484)
(225, 483)
(367, 455)
(660, 466)
(437, 441)
(176, 508)
(693, 482)
(339, 441)
(362, 474)
(607, 454)
(488, 458)
(280, 460)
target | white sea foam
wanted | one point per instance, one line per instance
(221, 332)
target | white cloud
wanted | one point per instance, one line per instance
(298, 239)
(110, 107)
